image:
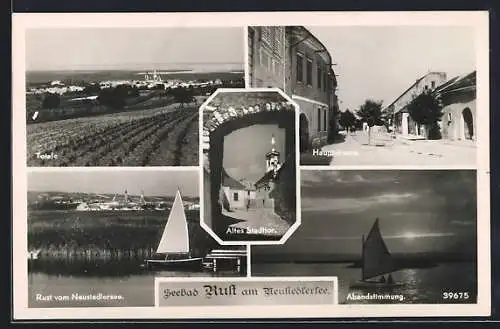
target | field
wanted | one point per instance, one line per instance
(68, 109)
(165, 136)
(104, 235)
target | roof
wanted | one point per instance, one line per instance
(231, 182)
(267, 176)
(458, 83)
(409, 88)
(313, 37)
(272, 152)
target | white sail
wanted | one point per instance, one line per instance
(175, 238)
(377, 259)
(225, 200)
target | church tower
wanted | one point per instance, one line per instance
(273, 158)
(142, 200)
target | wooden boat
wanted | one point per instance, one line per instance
(376, 262)
(173, 249)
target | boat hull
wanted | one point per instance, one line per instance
(374, 285)
(175, 264)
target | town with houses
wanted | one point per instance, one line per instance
(102, 202)
(151, 81)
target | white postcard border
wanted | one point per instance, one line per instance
(21, 22)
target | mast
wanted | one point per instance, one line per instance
(362, 257)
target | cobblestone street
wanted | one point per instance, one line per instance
(384, 149)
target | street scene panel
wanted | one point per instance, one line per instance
(249, 164)
(391, 237)
(100, 237)
(94, 98)
(410, 102)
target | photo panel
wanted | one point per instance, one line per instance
(94, 97)
(99, 238)
(362, 104)
(390, 236)
(249, 160)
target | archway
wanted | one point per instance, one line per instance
(468, 124)
(303, 133)
(284, 119)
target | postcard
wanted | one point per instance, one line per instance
(298, 164)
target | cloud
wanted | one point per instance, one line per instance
(405, 235)
(354, 179)
(351, 205)
(347, 178)
(314, 177)
(463, 222)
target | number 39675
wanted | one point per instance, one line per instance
(451, 295)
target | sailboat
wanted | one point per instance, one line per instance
(376, 261)
(174, 246)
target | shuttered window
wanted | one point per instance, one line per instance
(319, 77)
(300, 66)
(273, 36)
(325, 115)
(319, 119)
(309, 73)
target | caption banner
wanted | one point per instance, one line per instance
(270, 291)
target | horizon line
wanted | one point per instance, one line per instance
(55, 191)
(177, 66)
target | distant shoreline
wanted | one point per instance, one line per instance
(355, 262)
(45, 76)
(136, 71)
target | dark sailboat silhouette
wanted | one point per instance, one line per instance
(376, 261)
(174, 246)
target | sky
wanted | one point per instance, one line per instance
(419, 211)
(245, 150)
(134, 48)
(154, 183)
(380, 63)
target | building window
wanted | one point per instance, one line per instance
(300, 63)
(266, 60)
(319, 119)
(433, 84)
(426, 87)
(309, 73)
(235, 196)
(319, 77)
(449, 117)
(324, 120)
(273, 37)
(325, 80)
